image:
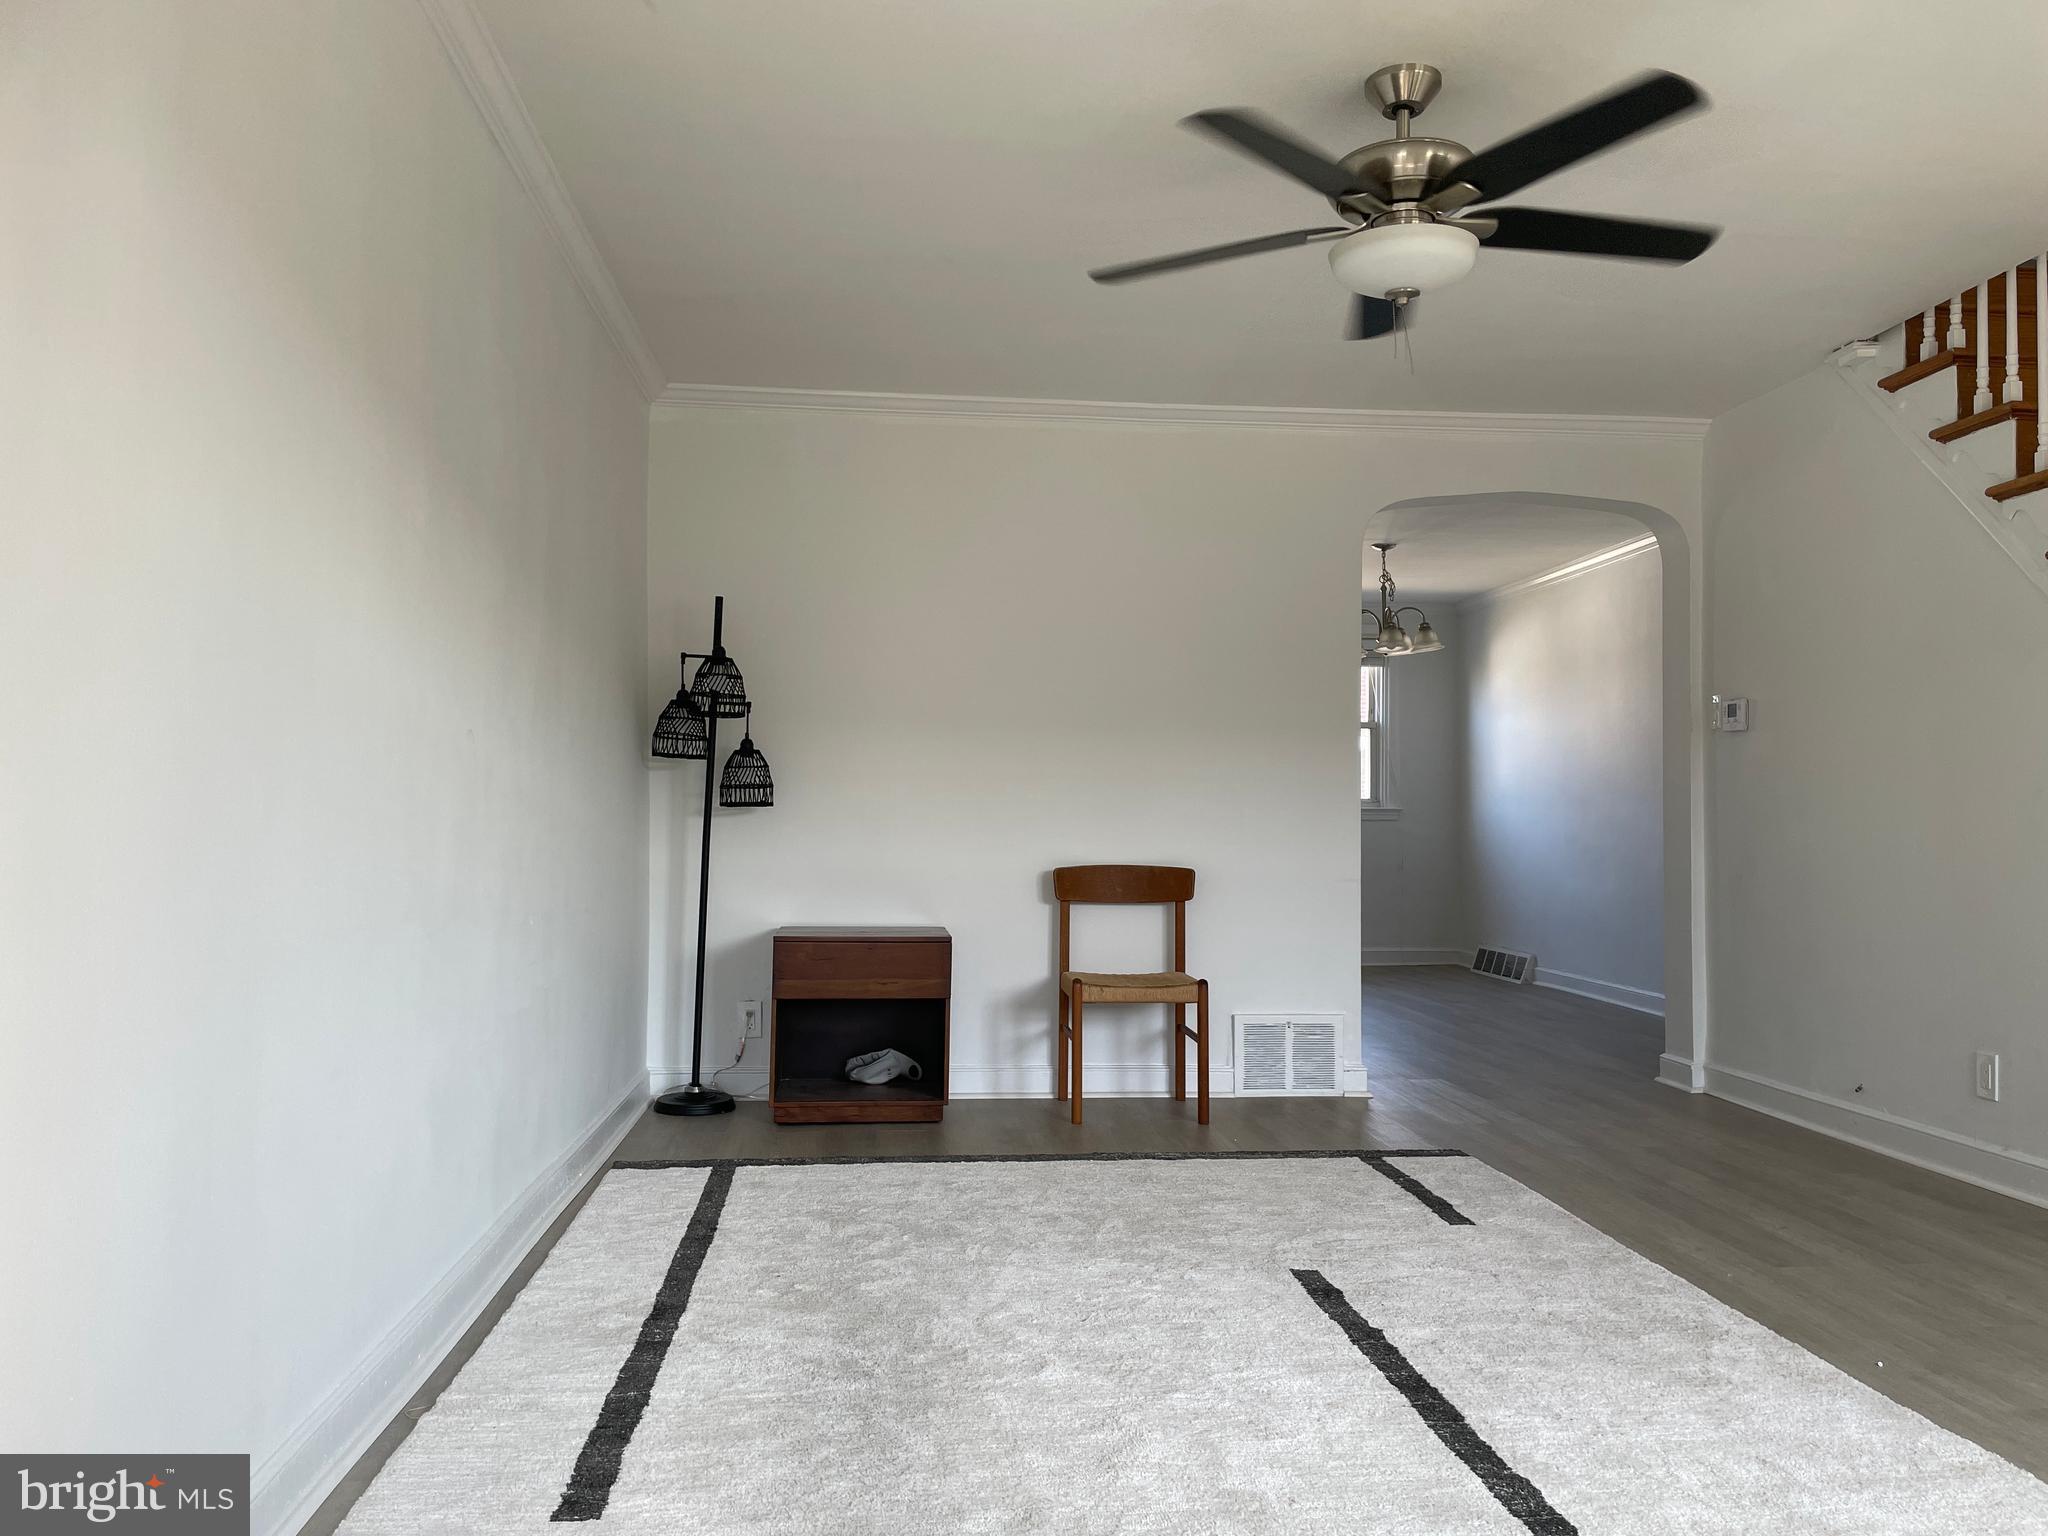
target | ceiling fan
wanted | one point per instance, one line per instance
(1403, 199)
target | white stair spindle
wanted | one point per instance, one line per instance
(2040, 348)
(1957, 337)
(1982, 400)
(2014, 391)
(1927, 348)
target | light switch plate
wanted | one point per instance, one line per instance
(1987, 1075)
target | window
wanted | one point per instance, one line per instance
(1372, 731)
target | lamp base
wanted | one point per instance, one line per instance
(694, 1100)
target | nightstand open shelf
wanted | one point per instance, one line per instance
(842, 992)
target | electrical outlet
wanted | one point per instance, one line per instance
(750, 1019)
(1987, 1075)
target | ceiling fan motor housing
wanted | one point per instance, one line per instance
(1403, 259)
(1406, 167)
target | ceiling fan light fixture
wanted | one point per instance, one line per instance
(1416, 258)
(1410, 193)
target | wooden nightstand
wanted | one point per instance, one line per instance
(841, 992)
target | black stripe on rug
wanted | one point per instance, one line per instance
(597, 1467)
(1516, 1494)
(1024, 1157)
(1451, 1215)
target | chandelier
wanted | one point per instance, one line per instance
(1382, 635)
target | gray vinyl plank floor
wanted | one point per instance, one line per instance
(1928, 1289)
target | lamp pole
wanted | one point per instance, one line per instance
(695, 1098)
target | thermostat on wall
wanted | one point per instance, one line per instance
(1730, 714)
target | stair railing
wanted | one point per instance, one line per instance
(2014, 391)
(1982, 401)
(2040, 349)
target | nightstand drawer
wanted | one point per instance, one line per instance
(802, 964)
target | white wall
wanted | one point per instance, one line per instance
(1564, 804)
(1879, 881)
(983, 647)
(1412, 904)
(321, 792)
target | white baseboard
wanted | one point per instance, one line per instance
(1106, 1079)
(1109, 1080)
(1415, 957)
(2018, 1174)
(1682, 1073)
(1638, 998)
(290, 1483)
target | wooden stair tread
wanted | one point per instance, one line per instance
(1913, 373)
(2017, 410)
(2006, 490)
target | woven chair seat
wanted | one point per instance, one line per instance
(1133, 986)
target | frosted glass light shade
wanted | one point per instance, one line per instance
(1377, 262)
(1426, 639)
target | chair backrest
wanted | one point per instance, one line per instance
(1125, 885)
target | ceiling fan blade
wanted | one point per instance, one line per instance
(1266, 141)
(1586, 130)
(1369, 317)
(1208, 253)
(1585, 234)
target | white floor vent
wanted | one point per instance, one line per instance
(1505, 964)
(1282, 1054)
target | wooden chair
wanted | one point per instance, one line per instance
(1132, 885)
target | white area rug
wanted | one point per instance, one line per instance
(1309, 1343)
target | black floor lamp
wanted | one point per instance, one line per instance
(688, 728)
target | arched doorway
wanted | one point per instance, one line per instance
(1683, 818)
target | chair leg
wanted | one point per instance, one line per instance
(1080, 1001)
(1059, 1041)
(1202, 1055)
(1180, 1050)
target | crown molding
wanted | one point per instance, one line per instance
(489, 83)
(1270, 417)
(1571, 570)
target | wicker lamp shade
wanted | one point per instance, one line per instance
(681, 732)
(746, 780)
(719, 688)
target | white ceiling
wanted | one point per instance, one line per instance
(1462, 548)
(904, 195)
